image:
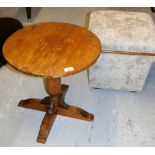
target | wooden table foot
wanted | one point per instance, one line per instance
(34, 104)
(54, 105)
(45, 127)
(74, 112)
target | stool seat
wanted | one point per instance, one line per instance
(124, 31)
(128, 49)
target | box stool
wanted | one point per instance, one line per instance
(128, 49)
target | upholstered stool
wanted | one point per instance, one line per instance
(128, 49)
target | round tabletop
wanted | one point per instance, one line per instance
(52, 49)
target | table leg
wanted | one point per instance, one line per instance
(34, 104)
(74, 112)
(45, 127)
(152, 9)
(28, 13)
(54, 105)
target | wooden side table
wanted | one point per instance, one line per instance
(52, 50)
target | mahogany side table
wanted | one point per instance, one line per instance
(52, 50)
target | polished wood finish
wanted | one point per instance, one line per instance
(53, 85)
(52, 50)
(46, 49)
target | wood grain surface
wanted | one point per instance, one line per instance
(47, 49)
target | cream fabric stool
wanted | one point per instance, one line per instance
(128, 49)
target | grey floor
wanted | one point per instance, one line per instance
(121, 118)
